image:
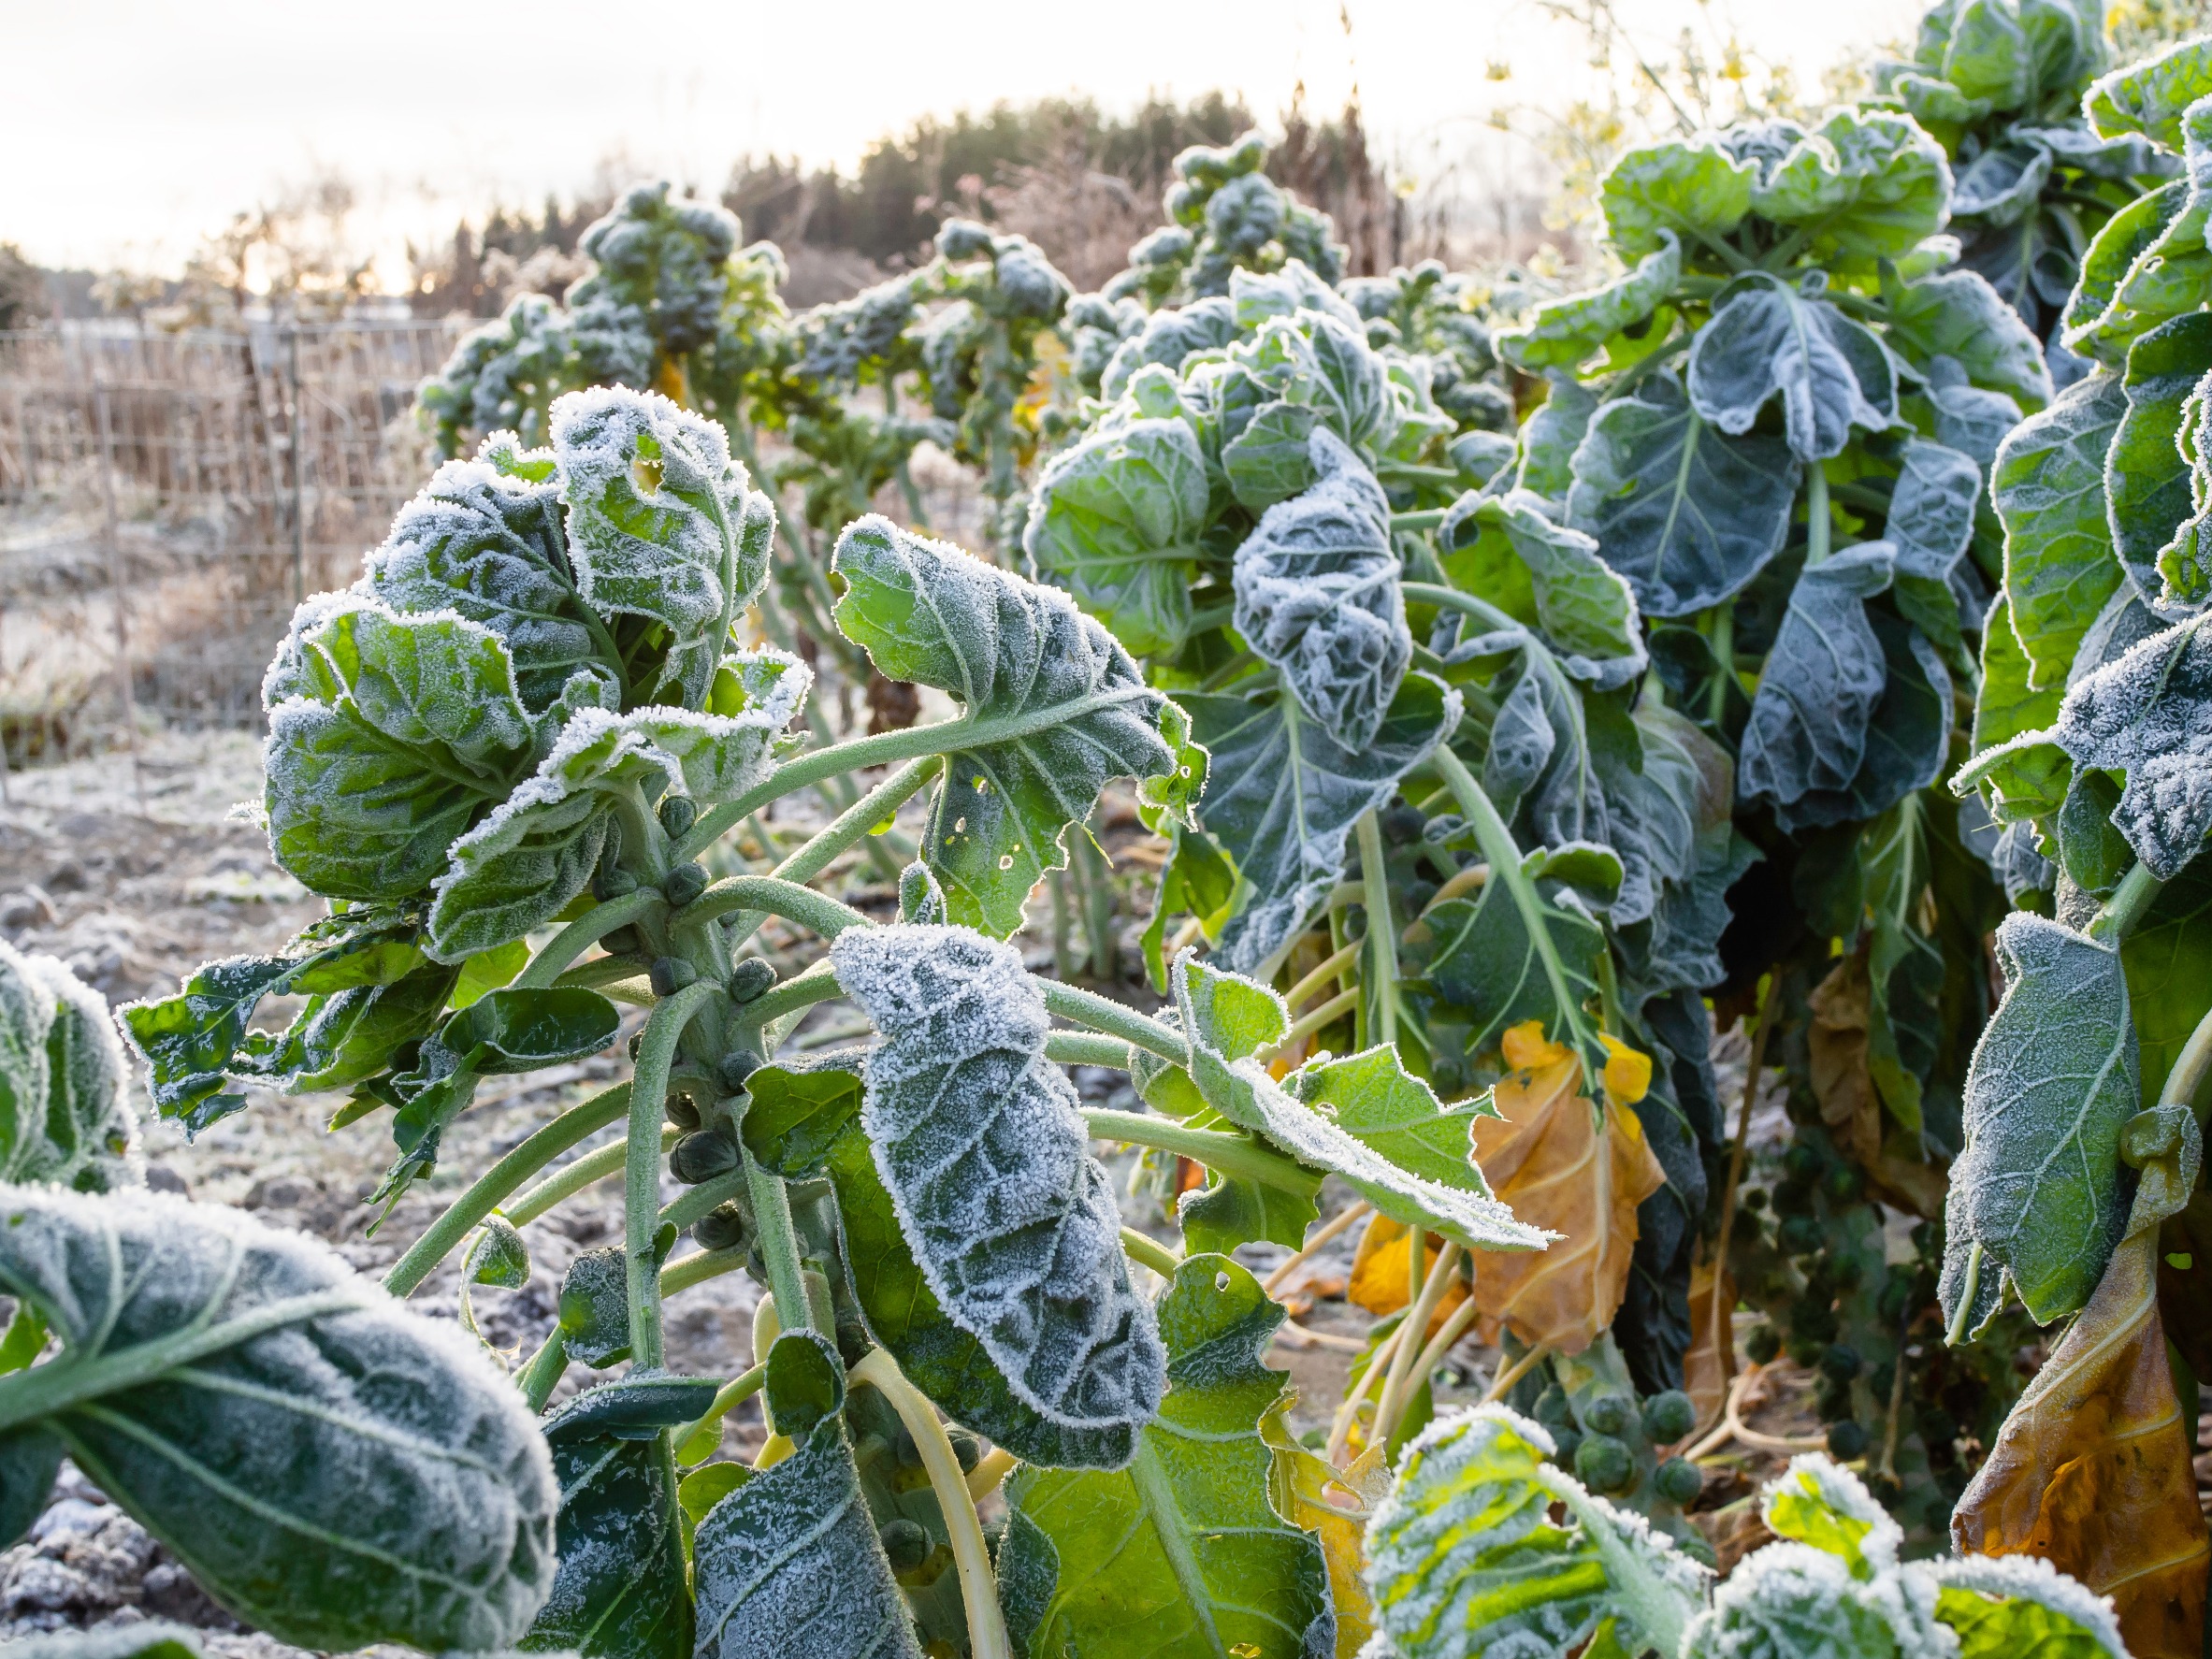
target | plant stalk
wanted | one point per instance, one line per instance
(779, 1245)
(1381, 969)
(641, 1185)
(1235, 1155)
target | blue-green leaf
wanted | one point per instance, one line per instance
(1767, 337)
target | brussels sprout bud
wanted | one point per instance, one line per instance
(1569, 1441)
(637, 1041)
(1793, 1198)
(1799, 1235)
(1418, 895)
(853, 1342)
(1754, 1200)
(613, 882)
(678, 812)
(1832, 1400)
(1802, 1161)
(1679, 1480)
(1841, 1362)
(1895, 1299)
(671, 974)
(1403, 823)
(680, 1109)
(733, 1068)
(1668, 1417)
(1847, 1440)
(1844, 1183)
(966, 1447)
(905, 1450)
(682, 884)
(1603, 1463)
(1805, 1351)
(1553, 1410)
(1763, 1345)
(905, 1544)
(749, 979)
(1608, 1414)
(722, 1227)
(702, 1156)
(621, 942)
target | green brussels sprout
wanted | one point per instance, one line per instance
(1763, 1345)
(621, 942)
(1756, 1200)
(1604, 1464)
(1847, 1440)
(733, 1068)
(1553, 1409)
(680, 1109)
(1793, 1198)
(1844, 1183)
(671, 974)
(1803, 1163)
(1679, 1480)
(1570, 1443)
(722, 1227)
(702, 1156)
(1841, 1362)
(613, 882)
(749, 979)
(1805, 1351)
(1668, 1417)
(905, 1544)
(1608, 1414)
(1403, 823)
(678, 812)
(969, 1450)
(1832, 1400)
(1799, 1235)
(682, 884)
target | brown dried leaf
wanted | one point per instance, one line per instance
(1378, 1271)
(2093, 1469)
(1705, 1368)
(1561, 1163)
(1838, 1041)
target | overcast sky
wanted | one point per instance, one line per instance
(132, 126)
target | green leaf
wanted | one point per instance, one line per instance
(1197, 878)
(1483, 958)
(1869, 182)
(484, 538)
(2035, 1199)
(1317, 597)
(1767, 337)
(1281, 798)
(1271, 459)
(1181, 1553)
(789, 1563)
(1956, 314)
(489, 970)
(2150, 97)
(660, 527)
(1323, 363)
(1116, 520)
(2149, 714)
(349, 1035)
(1908, 737)
(2048, 487)
(2146, 478)
(1696, 190)
(722, 752)
(1057, 708)
(2020, 1607)
(620, 1592)
(331, 1469)
(2185, 562)
(1987, 56)
(594, 1308)
(415, 730)
(2168, 959)
(1818, 1503)
(806, 1119)
(2148, 263)
(1552, 434)
(1465, 1558)
(65, 1117)
(960, 1099)
(1349, 1117)
(1823, 679)
(520, 866)
(1792, 1599)
(1563, 333)
(1931, 522)
(1549, 576)
(1686, 513)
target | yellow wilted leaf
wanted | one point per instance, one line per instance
(1627, 1072)
(1378, 1271)
(2092, 1470)
(1334, 1505)
(1528, 1049)
(1561, 1163)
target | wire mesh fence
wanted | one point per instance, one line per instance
(166, 499)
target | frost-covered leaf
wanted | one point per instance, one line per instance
(621, 1591)
(2048, 487)
(2148, 263)
(1272, 459)
(1686, 513)
(1816, 1502)
(1823, 678)
(1958, 315)
(1056, 708)
(975, 1133)
(1566, 1164)
(1696, 190)
(1281, 798)
(1552, 434)
(1464, 1558)
(411, 730)
(502, 1032)
(2185, 562)
(1116, 519)
(2150, 97)
(65, 1116)
(789, 1564)
(2003, 1606)
(659, 521)
(2146, 477)
(1317, 597)
(1323, 364)
(724, 751)
(536, 851)
(1562, 333)
(1869, 182)
(805, 1119)
(2035, 1197)
(332, 1468)
(1790, 1601)
(2149, 714)
(1363, 1119)
(1549, 576)
(1767, 337)
(1931, 522)
(1182, 1555)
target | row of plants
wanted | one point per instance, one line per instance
(1833, 608)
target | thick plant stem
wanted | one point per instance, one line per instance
(707, 1426)
(1080, 1048)
(2138, 889)
(1330, 968)
(779, 1245)
(1818, 521)
(772, 895)
(571, 1179)
(818, 984)
(1102, 1013)
(1404, 1379)
(641, 1185)
(1314, 1018)
(544, 1372)
(1233, 1155)
(586, 930)
(1724, 656)
(1763, 1023)
(1381, 969)
(438, 1241)
(979, 1590)
(1142, 1248)
(2189, 1066)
